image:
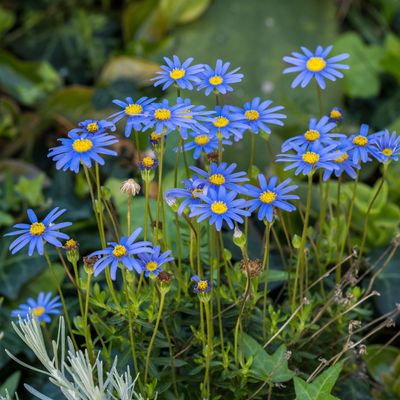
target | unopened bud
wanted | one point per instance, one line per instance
(71, 248)
(239, 238)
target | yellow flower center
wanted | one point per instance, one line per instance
(341, 158)
(82, 145)
(119, 250)
(335, 114)
(316, 64)
(155, 136)
(133, 109)
(310, 157)
(201, 140)
(252, 115)
(195, 192)
(387, 152)
(151, 265)
(216, 80)
(92, 127)
(148, 162)
(219, 207)
(221, 122)
(217, 179)
(268, 197)
(38, 311)
(360, 141)
(71, 244)
(312, 135)
(202, 286)
(162, 114)
(177, 73)
(37, 228)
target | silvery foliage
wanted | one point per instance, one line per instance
(71, 370)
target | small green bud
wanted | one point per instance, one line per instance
(71, 248)
(296, 241)
(239, 238)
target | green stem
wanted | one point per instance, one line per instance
(251, 160)
(128, 214)
(208, 351)
(86, 326)
(146, 207)
(265, 268)
(159, 192)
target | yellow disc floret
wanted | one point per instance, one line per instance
(82, 145)
(311, 135)
(155, 136)
(219, 207)
(148, 162)
(92, 127)
(252, 115)
(151, 266)
(162, 114)
(133, 109)
(268, 197)
(202, 139)
(177, 73)
(220, 122)
(316, 64)
(387, 152)
(335, 114)
(342, 158)
(310, 157)
(360, 141)
(202, 286)
(217, 179)
(38, 311)
(195, 193)
(216, 80)
(119, 250)
(37, 228)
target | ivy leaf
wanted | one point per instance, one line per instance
(321, 387)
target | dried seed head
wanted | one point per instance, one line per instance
(252, 267)
(353, 325)
(288, 355)
(164, 277)
(71, 245)
(130, 187)
(212, 157)
(389, 323)
(88, 263)
(362, 349)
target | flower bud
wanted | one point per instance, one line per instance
(239, 238)
(71, 248)
(88, 264)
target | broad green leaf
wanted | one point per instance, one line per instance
(391, 58)
(31, 190)
(380, 360)
(10, 385)
(365, 195)
(182, 11)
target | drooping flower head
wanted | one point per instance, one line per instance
(121, 254)
(218, 80)
(387, 147)
(203, 143)
(257, 115)
(221, 175)
(202, 285)
(134, 111)
(37, 233)
(362, 143)
(227, 123)
(310, 158)
(317, 132)
(95, 127)
(41, 308)
(315, 65)
(268, 196)
(151, 263)
(85, 149)
(219, 206)
(336, 115)
(180, 74)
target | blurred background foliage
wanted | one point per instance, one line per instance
(63, 61)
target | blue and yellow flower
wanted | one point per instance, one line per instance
(203, 143)
(151, 263)
(180, 74)
(268, 196)
(121, 254)
(41, 308)
(317, 132)
(387, 147)
(344, 161)
(363, 144)
(85, 149)
(227, 123)
(94, 127)
(221, 175)
(135, 113)
(219, 206)
(148, 163)
(315, 65)
(36, 233)
(257, 115)
(310, 158)
(336, 115)
(202, 285)
(218, 80)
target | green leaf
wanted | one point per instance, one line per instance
(391, 58)
(182, 11)
(7, 19)
(31, 190)
(365, 195)
(11, 384)
(380, 360)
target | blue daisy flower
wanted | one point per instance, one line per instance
(221, 175)
(94, 126)
(227, 122)
(41, 308)
(387, 147)
(37, 233)
(202, 285)
(121, 253)
(85, 148)
(313, 157)
(269, 196)
(218, 80)
(363, 144)
(344, 161)
(257, 115)
(336, 115)
(134, 111)
(181, 74)
(148, 163)
(219, 206)
(203, 143)
(189, 193)
(315, 65)
(317, 132)
(151, 263)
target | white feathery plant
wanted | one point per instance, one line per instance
(71, 370)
